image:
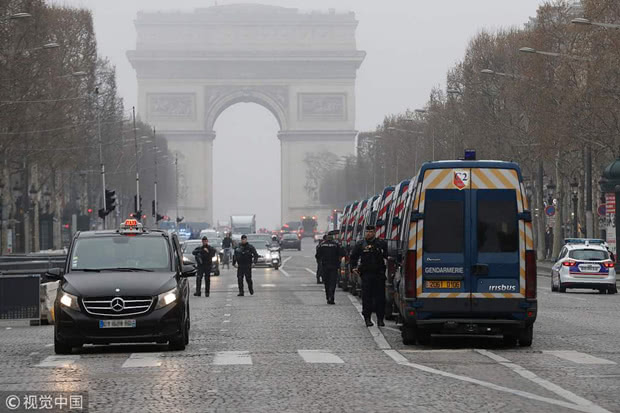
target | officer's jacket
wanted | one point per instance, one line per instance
(372, 255)
(204, 257)
(329, 253)
(245, 255)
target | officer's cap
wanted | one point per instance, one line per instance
(370, 228)
(334, 232)
(204, 238)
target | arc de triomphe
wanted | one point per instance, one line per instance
(300, 66)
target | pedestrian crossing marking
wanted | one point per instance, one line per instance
(224, 358)
(578, 357)
(310, 271)
(267, 285)
(319, 356)
(143, 360)
(58, 361)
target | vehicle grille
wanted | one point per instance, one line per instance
(111, 306)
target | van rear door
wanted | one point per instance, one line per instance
(497, 271)
(446, 254)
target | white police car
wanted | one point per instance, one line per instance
(584, 263)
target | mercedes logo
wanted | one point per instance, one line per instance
(118, 304)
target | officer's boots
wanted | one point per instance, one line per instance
(369, 322)
(380, 322)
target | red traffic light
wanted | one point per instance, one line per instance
(143, 216)
(66, 226)
(90, 210)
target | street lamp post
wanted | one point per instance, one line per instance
(453, 93)
(101, 164)
(135, 139)
(575, 191)
(424, 112)
(587, 22)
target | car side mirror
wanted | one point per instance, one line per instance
(54, 273)
(188, 271)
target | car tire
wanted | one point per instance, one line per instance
(408, 334)
(602, 290)
(553, 287)
(509, 340)
(179, 342)
(61, 347)
(561, 288)
(526, 336)
(276, 267)
(613, 289)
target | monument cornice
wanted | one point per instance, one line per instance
(241, 55)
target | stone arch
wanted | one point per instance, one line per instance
(273, 103)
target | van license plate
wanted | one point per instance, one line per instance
(443, 284)
(117, 323)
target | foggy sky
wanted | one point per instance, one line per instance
(410, 45)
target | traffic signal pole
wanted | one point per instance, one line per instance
(135, 139)
(101, 154)
(155, 182)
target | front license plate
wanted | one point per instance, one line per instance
(443, 284)
(117, 323)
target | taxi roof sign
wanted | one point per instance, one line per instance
(131, 226)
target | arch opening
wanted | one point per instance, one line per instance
(247, 163)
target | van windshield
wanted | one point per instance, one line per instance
(497, 226)
(443, 226)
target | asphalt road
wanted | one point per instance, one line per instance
(285, 350)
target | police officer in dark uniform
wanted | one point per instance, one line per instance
(328, 254)
(372, 252)
(204, 260)
(318, 262)
(245, 255)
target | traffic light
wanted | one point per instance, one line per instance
(159, 218)
(137, 207)
(180, 219)
(153, 207)
(110, 200)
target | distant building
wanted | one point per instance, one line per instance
(574, 8)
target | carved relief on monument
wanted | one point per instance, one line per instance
(322, 106)
(171, 106)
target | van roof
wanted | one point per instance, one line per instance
(450, 164)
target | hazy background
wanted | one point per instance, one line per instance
(410, 45)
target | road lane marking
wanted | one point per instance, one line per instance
(287, 259)
(374, 330)
(58, 361)
(233, 286)
(319, 356)
(49, 345)
(226, 358)
(143, 360)
(577, 357)
(310, 271)
(284, 272)
(554, 388)
(400, 359)
(439, 350)
(226, 315)
(229, 305)
(267, 285)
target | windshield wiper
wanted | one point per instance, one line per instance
(127, 269)
(86, 269)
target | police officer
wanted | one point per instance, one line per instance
(328, 254)
(204, 260)
(245, 255)
(372, 252)
(318, 261)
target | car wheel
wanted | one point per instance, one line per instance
(526, 336)
(561, 288)
(179, 342)
(60, 347)
(408, 334)
(553, 287)
(602, 290)
(275, 267)
(613, 289)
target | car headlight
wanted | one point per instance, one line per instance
(214, 259)
(166, 298)
(69, 301)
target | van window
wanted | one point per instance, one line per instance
(497, 226)
(443, 226)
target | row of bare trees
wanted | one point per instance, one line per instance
(60, 118)
(546, 96)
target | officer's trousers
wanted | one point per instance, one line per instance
(319, 271)
(246, 272)
(373, 295)
(330, 278)
(202, 271)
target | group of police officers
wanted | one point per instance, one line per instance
(367, 260)
(370, 254)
